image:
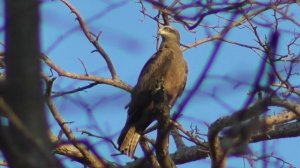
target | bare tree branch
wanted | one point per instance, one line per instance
(90, 159)
(114, 82)
(92, 39)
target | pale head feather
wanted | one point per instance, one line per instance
(169, 33)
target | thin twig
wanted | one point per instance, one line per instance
(92, 39)
(114, 82)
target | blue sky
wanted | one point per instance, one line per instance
(129, 39)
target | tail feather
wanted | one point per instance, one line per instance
(128, 142)
(133, 144)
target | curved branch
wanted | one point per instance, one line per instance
(114, 82)
(198, 152)
(92, 39)
(90, 159)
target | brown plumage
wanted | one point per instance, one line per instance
(167, 64)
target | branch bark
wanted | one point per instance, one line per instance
(90, 159)
(113, 82)
(23, 93)
(162, 140)
(93, 40)
(198, 152)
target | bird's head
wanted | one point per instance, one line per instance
(169, 33)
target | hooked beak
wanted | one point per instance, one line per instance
(160, 31)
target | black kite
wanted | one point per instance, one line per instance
(167, 64)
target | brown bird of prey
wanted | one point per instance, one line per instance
(166, 64)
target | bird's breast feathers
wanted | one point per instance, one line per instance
(166, 64)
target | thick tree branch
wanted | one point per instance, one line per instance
(163, 126)
(24, 141)
(286, 130)
(72, 152)
(197, 152)
(218, 153)
(162, 140)
(178, 139)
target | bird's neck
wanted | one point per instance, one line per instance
(169, 44)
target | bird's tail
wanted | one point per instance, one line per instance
(128, 141)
